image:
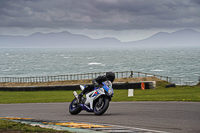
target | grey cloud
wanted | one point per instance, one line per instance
(196, 1)
(100, 14)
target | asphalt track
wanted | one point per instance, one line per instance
(176, 117)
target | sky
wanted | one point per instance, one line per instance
(126, 20)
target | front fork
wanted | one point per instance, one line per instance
(76, 95)
(100, 100)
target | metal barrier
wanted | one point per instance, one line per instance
(124, 74)
(132, 85)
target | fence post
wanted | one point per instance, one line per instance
(131, 74)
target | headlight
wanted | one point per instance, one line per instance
(110, 92)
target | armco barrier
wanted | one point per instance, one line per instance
(132, 85)
(41, 88)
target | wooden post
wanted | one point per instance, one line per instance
(131, 74)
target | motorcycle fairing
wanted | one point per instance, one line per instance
(91, 96)
(85, 107)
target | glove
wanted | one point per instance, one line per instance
(96, 84)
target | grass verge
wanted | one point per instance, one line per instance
(178, 93)
(7, 126)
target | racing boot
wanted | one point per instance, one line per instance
(80, 98)
(82, 93)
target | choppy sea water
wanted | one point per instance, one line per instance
(172, 62)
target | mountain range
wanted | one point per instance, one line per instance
(66, 39)
(187, 37)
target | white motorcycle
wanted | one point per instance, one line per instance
(96, 101)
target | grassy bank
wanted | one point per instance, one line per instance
(178, 93)
(15, 127)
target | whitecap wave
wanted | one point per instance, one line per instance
(90, 58)
(6, 70)
(94, 63)
(157, 70)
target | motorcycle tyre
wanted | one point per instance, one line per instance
(106, 104)
(75, 111)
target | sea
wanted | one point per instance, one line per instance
(165, 61)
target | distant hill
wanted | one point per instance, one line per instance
(59, 40)
(185, 37)
(65, 39)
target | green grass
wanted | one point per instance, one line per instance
(35, 96)
(10, 126)
(161, 94)
(178, 93)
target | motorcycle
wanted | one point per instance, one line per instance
(96, 101)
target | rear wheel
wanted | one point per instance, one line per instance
(74, 107)
(100, 108)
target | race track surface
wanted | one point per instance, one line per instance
(176, 117)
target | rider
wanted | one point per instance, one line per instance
(96, 82)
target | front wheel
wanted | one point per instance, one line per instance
(74, 107)
(100, 108)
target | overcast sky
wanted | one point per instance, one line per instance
(126, 20)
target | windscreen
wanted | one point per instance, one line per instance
(108, 83)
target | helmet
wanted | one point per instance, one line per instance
(110, 76)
